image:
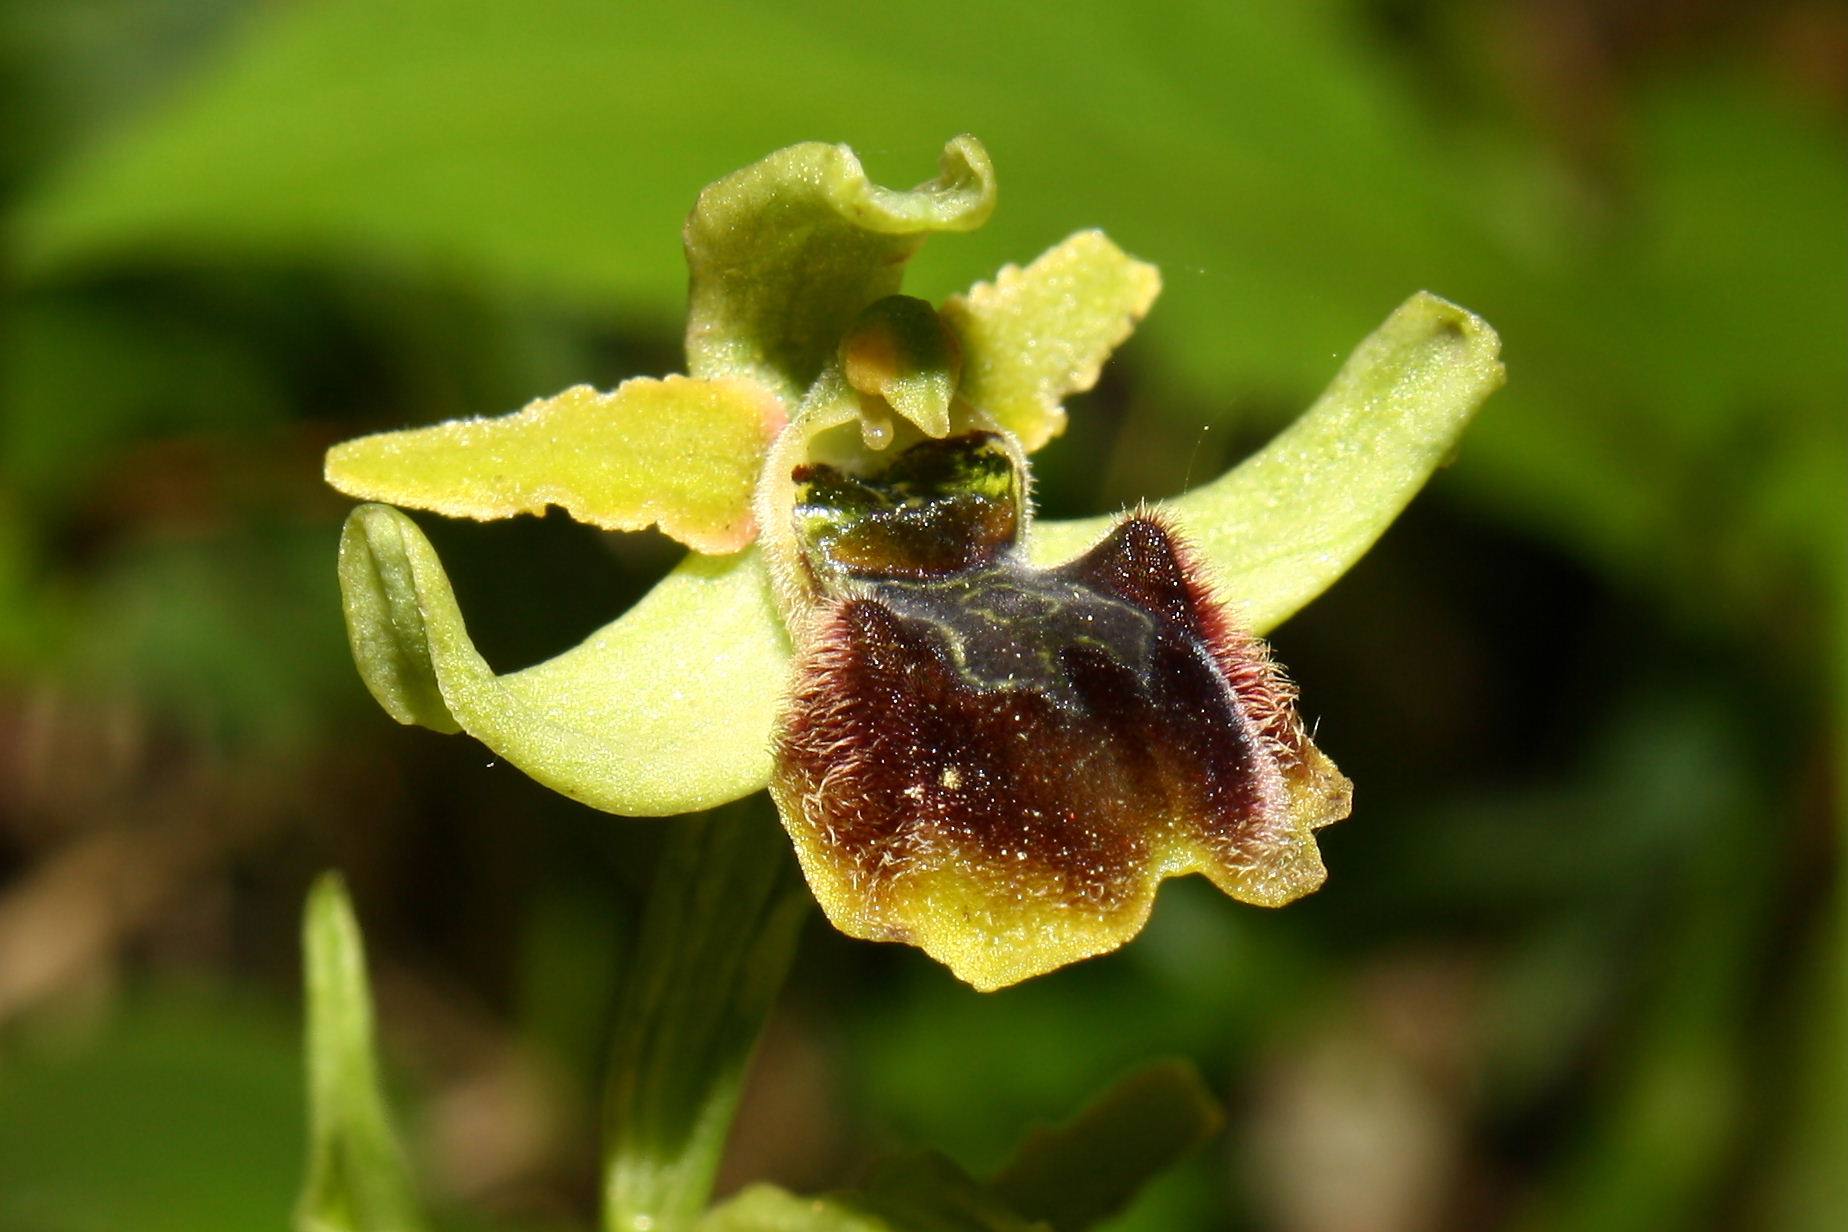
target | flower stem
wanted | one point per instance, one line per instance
(717, 936)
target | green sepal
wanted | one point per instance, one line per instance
(1277, 531)
(358, 1180)
(1034, 336)
(666, 710)
(786, 252)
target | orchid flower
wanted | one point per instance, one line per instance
(987, 736)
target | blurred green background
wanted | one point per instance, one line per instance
(1582, 960)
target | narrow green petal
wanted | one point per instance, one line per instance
(1034, 336)
(680, 453)
(357, 1177)
(898, 351)
(785, 253)
(1280, 528)
(664, 711)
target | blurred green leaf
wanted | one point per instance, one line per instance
(1261, 153)
(192, 622)
(357, 1180)
(1077, 1174)
(1064, 1179)
(1205, 980)
(81, 380)
(1678, 417)
(23, 624)
(66, 70)
(1808, 1188)
(180, 1113)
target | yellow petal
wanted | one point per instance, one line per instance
(681, 453)
(1034, 336)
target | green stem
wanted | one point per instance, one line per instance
(716, 941)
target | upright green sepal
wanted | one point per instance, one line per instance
(784, 254)
(629, 721)
(358, 1180)
(1283, 526)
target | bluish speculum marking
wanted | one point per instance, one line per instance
(1007, 626)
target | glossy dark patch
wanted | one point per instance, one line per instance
(939, 508)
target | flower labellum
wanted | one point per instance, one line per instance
(987, 737)
(998, 762)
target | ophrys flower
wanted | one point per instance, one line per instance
(988, 737)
